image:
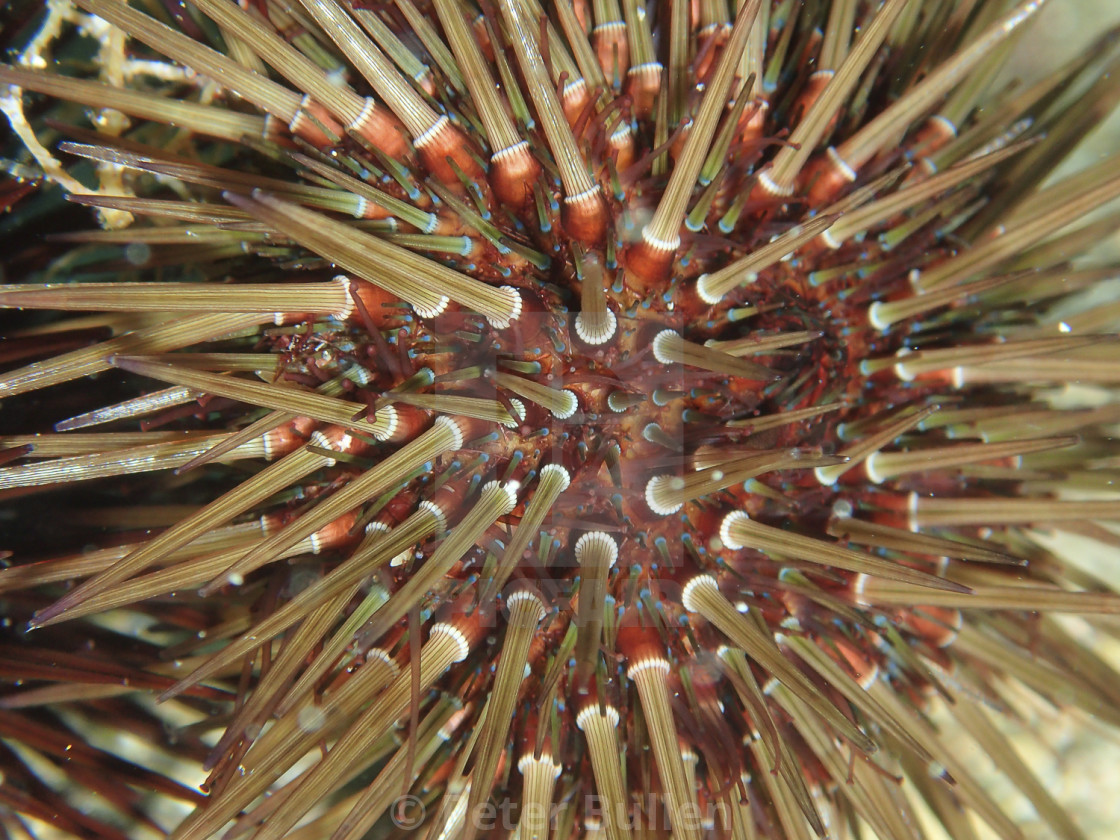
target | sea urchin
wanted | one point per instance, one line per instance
(659, 402)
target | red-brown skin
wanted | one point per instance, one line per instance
(612, 48)
(808, 97)
(339, 533)
(512, 175)
(622, 145)
(411, 422)
(637, 640)
(290, 436)
(314, 124)
(449, 150)
(586, 219)
(752, 125)
(648, 266)
(643, 84)
(709, 49)
(823, 180)
(574, 99)
(937, 626)
(934, 135)
(380, 128)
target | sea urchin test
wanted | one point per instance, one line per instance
(624, 419)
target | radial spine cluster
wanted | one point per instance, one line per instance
(623, 419)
